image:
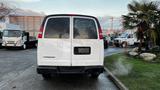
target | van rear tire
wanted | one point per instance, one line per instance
(95, 75)
(46, 76)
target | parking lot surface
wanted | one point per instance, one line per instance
(18, 72)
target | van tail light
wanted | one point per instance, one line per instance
(100, 33)
(40, 33)
(99, 30)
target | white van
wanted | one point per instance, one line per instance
(70, 44)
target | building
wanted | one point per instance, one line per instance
(28, 20)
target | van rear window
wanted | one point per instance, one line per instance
(84, 29)
(57, 28)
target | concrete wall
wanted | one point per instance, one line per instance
(28, 23)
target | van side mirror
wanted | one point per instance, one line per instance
(23, 34)
(26, 34)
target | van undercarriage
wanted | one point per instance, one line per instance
(69, 69)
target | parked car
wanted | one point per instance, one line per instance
(0, 39)
(70, 44)
(105, 40)
(125, 39)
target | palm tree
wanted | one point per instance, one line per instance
(144, 16)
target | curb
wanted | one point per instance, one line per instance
(115, 80)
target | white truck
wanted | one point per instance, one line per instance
(14, 36)
(126, 38)
(2, 26)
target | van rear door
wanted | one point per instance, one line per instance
(87, 47)
(54, 49)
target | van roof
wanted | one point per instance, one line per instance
(70, 15)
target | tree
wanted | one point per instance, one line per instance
(145, 16)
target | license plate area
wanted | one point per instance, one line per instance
(10, 44)
(82, 50)
(71, 69)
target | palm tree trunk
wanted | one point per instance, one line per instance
(140, 46)
(147, 43)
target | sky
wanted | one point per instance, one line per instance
(103, 9)
(114, 8)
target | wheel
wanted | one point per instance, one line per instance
(46, 76)
(24, 46)
(95, 75)
(124, 44)
(0, 46)
(105, 45)
(36, 44)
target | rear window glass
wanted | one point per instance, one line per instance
(57, 28)
(84, 29)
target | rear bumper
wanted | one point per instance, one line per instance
(69, 69)
(11, 46)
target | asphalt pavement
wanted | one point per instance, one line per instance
(18, 72)
(114, 50)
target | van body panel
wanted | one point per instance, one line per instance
(54, 52)
(91, 59)
(95, 45)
